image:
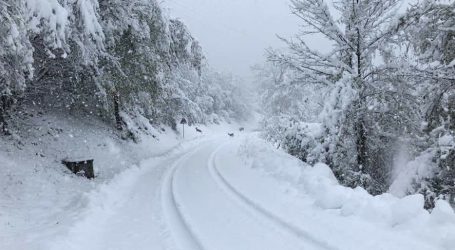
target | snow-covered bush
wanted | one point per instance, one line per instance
(436, 178)
(302, 140)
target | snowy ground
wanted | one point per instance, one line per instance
(208, 192)
(40, 198)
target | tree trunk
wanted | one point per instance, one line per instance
(118, 118)
(4, 107)
(452, 112)
(360, 129)
(360, 123)
(361, 144)
(2, 120)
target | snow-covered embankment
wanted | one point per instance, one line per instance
(310, 200)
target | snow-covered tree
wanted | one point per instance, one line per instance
(430, 35)
(123, 61)
(15, 56)
(368, 102)
(37, 39)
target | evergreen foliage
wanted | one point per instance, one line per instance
(123, 61)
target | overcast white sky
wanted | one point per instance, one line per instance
(235, 33)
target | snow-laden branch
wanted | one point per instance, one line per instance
(316, 15)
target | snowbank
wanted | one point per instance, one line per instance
(257, 155)
(406, 214)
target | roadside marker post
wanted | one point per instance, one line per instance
(183, 122)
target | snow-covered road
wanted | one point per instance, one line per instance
(180, 202)
(205, 197)
(207, 212)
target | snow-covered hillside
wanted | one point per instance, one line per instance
(40, 197)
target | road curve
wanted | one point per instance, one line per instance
(174, 216)
(250, 204)
(204, 212)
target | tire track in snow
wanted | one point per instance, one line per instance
(253, 206)
(178, 224)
